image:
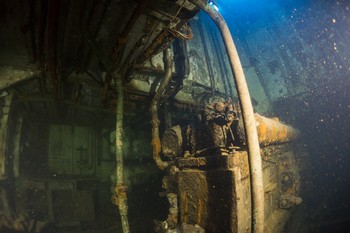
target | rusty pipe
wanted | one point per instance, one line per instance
(120, 197)
(162, 40)
(248, 117)
(271, 130)
(168, 63)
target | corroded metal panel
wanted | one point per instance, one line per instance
(281, 185)
(206, 200)
(215, 193)
(72, 150)
(217, 199)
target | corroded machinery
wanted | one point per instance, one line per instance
(208, 183)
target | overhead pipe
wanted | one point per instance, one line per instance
(248, 117)
(165, 37)
(161, 41)
(168, 63)
(120, 197)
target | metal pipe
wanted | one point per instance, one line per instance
(164, 38)
(248, 117)
(271, 130)
(120, 197)
(168, 63)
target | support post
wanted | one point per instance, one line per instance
(4, 123)
(248, 117)
(120, 197)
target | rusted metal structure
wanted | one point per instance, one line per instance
(211, 174)
(168, 64)
(121, 90)
(120, 197)
(272, 131)
(248, 117)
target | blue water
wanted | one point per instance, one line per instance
(311, 42)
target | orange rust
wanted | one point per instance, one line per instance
(119, 197)
(184, 198)
(275, 119)
(156, 145)
(199, 211)
(156, 153)
(271, 130)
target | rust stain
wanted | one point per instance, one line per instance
(271, 130)
(184, 198)
(199, 211)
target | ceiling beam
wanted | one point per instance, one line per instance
(10, 75)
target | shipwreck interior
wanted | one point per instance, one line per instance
(173, 116)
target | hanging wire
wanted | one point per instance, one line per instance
(181, 35)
